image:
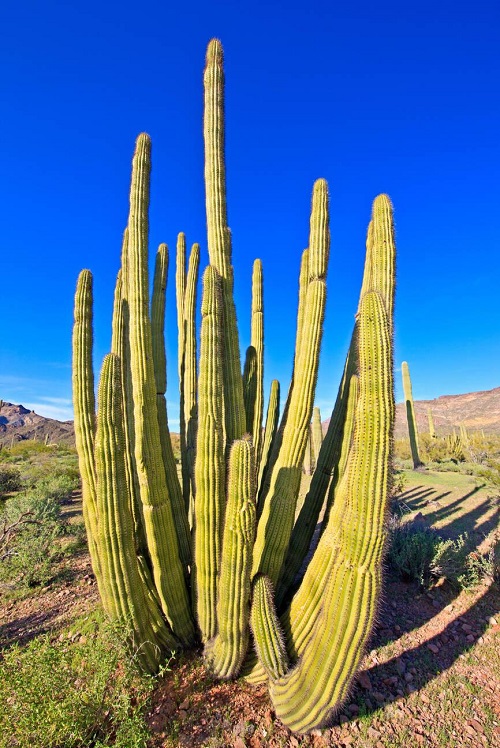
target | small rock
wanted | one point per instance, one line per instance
(364, 681)
(436, 604)
(469, 638)
(184, 705)
(182, 714)
(400, 666)
(425, 698)
(466, 628)
(433, 648)
(294, 742)
(378, 696)
(342, 719)
(476, 725)
(373, 733)
(492, 621)
(353, 709)
(348, 740)
(408, 677)
(239, 743)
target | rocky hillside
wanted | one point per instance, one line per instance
(476, 410)
(18, 423)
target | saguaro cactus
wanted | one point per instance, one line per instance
(262, 600)
(410, 415)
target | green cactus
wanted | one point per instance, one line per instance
(210, 459)
(432, 430)
(316, 434)
(229, 648)
(186, 318)
(308, 635)
(410, 415)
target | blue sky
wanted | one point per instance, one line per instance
(392, 97)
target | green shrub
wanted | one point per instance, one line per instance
(30, 529)
(419, 554)
(81, 691)
(10, 479)
(411, 550)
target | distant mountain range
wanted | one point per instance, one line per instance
(476, 410)
(18, 423)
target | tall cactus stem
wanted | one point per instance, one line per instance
(276, 521)
(316, 434)
(160, 369)
(84, 406)
(157, 508)
(410, 415)
(332, 614)
(190, 380)
(124, 595)
(233, 606)
(210, 461)
(219, 236)
(273, 409)
(257, 341)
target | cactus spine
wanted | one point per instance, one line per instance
(309, 643)
(410, 415)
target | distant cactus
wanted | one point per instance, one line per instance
(432, 430)
(246, 579)
(410, 415)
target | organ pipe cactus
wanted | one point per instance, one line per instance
(222, 556)
(410, 415)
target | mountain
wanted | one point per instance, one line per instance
(475, 410)
(18, 423)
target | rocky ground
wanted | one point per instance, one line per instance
(430, 677)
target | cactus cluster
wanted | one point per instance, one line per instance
(220, 553)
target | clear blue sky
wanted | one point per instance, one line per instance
(389, 97)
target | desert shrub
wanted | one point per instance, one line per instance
(10, 479)
(78, 691)
(411, 550)
(419, 554)
(30, 529)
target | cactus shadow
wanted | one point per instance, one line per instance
(388, 682)
(22, 630)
